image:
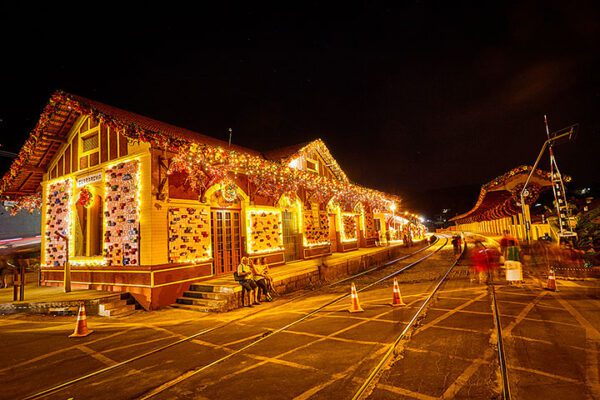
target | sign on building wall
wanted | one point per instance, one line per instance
(88, 179)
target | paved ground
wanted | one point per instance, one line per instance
(551, 341)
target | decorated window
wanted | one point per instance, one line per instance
(88, 221)
(316, 228)
(121, 236)
(349, 228)
(189, 234)
(264, 231)
(58, 206)
(370, 228)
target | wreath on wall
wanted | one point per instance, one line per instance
(85, 198)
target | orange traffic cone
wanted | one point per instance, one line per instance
(396, 296)
(354, 305)
(551, 285)
(81, 329)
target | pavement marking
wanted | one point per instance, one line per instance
(506, 331)
(463, 311)
(248, 338)
(450, 328)
(449, 313)
(135, 344)
(546, 374)
(592, 339)
(339, 339)
(256, 365)
(97, 355)
(439, 353)
(283, 362)
(463, 378)
(405, 392)
(59, 351)
(336, 377)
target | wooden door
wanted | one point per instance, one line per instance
(226, 243)
(290, 236)
(333, 232)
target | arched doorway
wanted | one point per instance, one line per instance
(225, 200)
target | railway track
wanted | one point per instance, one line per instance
(382, 268)
(372, 380)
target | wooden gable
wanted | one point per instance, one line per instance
(88, 145)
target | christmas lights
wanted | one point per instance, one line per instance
(264, 230)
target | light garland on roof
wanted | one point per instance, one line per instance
(209, 164)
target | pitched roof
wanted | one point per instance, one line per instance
(54, 125)
(498, 197)
(286, 154)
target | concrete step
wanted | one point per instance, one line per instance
(206, 295)
(216, 304)
(122, 311)
(116, 310)
(199, 287)
(194, 308)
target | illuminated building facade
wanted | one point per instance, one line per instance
(137, 205)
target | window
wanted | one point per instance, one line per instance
(88, 221)
(89, 143)
(312, 165)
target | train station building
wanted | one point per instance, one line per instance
(140, 206)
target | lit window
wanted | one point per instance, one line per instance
(88, 222)
(312, 165)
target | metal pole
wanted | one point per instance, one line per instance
(537, 161)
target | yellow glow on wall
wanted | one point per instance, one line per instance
(257, 233)
(343, 233)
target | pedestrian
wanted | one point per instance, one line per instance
(455, 245)
(481, 265)
(387, 237)
(377, 238)
(246, 280)
(512, 259)
(260, 271)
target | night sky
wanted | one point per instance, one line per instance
(428, 100)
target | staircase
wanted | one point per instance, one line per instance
(122, 306)
(210, 297)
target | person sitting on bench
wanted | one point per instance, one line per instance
(246, 279)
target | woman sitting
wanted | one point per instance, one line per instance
(246, 279)
(260, 269)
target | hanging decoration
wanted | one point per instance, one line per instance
(121, 233)
(229, 191)
(349, 228)
(207, 164)
(58, 206)
(189, 234)
(316, 228)
(264, 230)
(86, 198)
(30, 204)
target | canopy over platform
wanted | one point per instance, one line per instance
(500, 197)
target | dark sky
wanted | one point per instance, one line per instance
(410, 98)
